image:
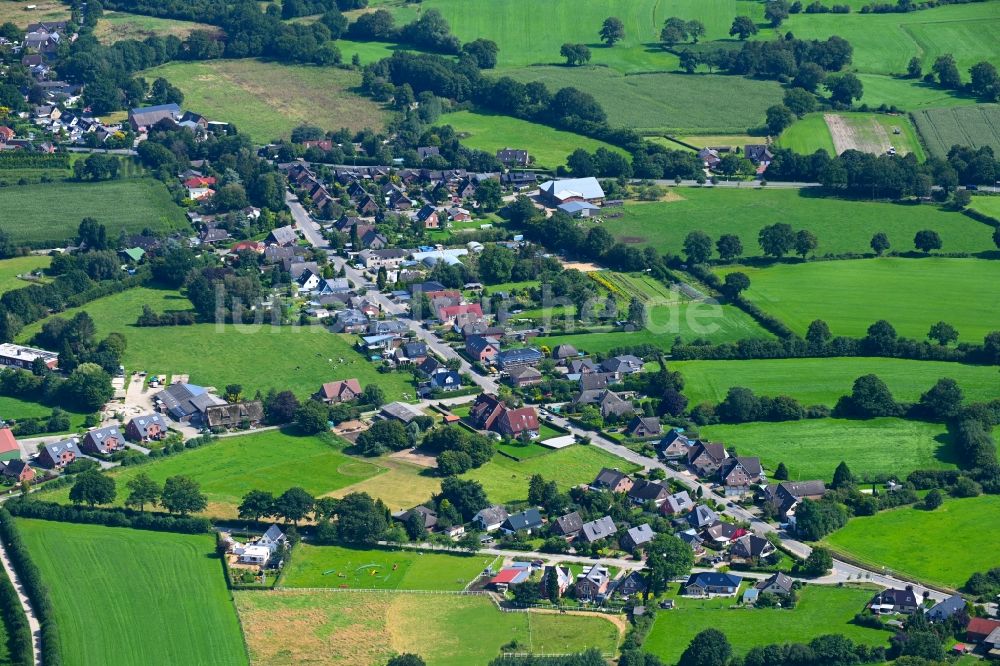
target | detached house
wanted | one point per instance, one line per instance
(428, 217)
(103, 441)
(564, 578)
(894, 601)
(677, 503)
(59, 454)
(706, 458)
(740, 473)
(599, 529)
(644, 426)
(569, 525)
(592, 584)
(637, 537)
(17, 471)
(612, 480)
(491, 518)
(522, 422)
(146, 428)
(709, 583)
(481, 349)
(750, 548)
(525, 520)
(648, 491)
(344, 390)
(778, 584)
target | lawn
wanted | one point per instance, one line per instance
(48, 214)
(821, 381)
(840, 225)
(273, 460)
(820, 611)
(870, 130)
(547, 146)
(17, 12)
(14, 409)
(812, 449)
(912, 294)
(506, 480)
(943, 546)
(267, 100)
(144, 597)
(118, 26)
(807, 135)
(11, 268)
(974, 126)
(360, 629)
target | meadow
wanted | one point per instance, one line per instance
(908, 94)
(358, 629)
(17, 12)
(812, 133)
(118, 26)
(11, 268)
(14, 409)
(400, 486)
(272, 460)
(105, 615)
(974, 126)
(807, 135)
(820, 610)
(821, 381)
(840, 225)
(926, 544)
(48, 214)
(912, 294)
(987, 205)
(812, 449)
(267, 100)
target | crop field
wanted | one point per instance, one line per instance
(974, 126)
(273, 460)
(11, 268)
(820, 610)
(547, 146)
(147, 597)
(840, 225)
(868, 132)
(713, 140)
(812, 449)
(118, 26)
(925, 544)
(17, 12)
(807, 135)
(267, 100)
(912, 294)
(359, 629)
(48, 214)
(821, 381)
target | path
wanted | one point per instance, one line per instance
(33, 624)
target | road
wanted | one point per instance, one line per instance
(33, 624)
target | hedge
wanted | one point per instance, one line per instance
(19, 639)
(113, 517)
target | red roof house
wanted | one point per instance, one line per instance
(979, 628)
(9, 449)
(199, 181)
(6, 134)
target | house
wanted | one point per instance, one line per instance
(513, 157)
(459, 214)
(722, 533)
(674, 445)
(446, 380)
(579, 208)
(522, 422)
(508, 577)
(429, 366)
(758, 153)
(750, 548)
(485, 411)
(612, 480)
(17, 471)
(400, 411)
(644, 426)
(237, 414)
(562, 352)
(555, 192)
(592, 584)
(648, 491)
(702, 517)
(481, 349)
(631, 585)
(387, 259)
(778, 584)
(595, 380)
(709, 583)
(491, 518)
(787, 495)
(343, 390)
(677, 503)
(427, 516)
(563, 576)
(19, 356)
(273, 538)
(428, 151)
(146, 428)
(528, 520)
(607, 402)
(282, 236)
(185, 402)
(6, 134)
(333, 286)
(253, 554)
(9, 449)
(739, 473)
(895, 601)
(598, 529)
(943, 610)
(626, 364)
(568, 525)
(581, 366)
(308, 281)
(103, 441)
(428, 217)
(706, 458)
(132, 254)
(691, 538)
(524, 376)
(466, 312)
(637, 537)
(350, 321)
(143, 118)
(980, 628)
(59, 454)
(415, 352)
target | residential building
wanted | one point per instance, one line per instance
(513, 157)
(709, 583)
(613, 480)
(59, 454)
(592, 584)
(786, 496)
(740, 473)
(9, 449)
(19, 356)
(491, 518)
(185, 402)
(644, 427)
(677, 503)
(524, 376)
(146, 428)
(637, 537)
(706, 458)
(350, 320)
(722, 533)
(595, 530)
(778, 584)
(702, 517)
(643, 491)
(103, 441)
(750, 548)
(592, 381)
(521, 422)
(17, 471)
(693, 539)
(943, 610)
(569, 525)
(626, 364)
(608, 403)
(564, 578)
(481, 349)
(344, 390)
(485, 411)
(563, 352)
(427, 516)
(429, 217)
(631, 585)
(388, 258)
(143, 118)
(980, 628)
(895, 601)
(528, 520)
(232, 415)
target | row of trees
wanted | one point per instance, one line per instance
(710, 647)
(178, 494)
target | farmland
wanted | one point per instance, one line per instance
(867, 132)
(11, 268)
(345, 629)
(127, 569)
(47, 215)
(912, 294)
(840, 225)
(117, 26)
(17, 12)
(401, 486)
(266, 100)
(923, 543)
(813, 448)
(974, 126)
(274, 461)
(908, 94)
(988, 205)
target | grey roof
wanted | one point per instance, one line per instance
(714, 579)
(274, 533)
(401, 411)
(183, 400)
(702, 516)
(750, 464)
(608, 478)
(644, 491)
(778, 580)
(945, 609)
(55, 449)
(751, 545)
(641, 534)
(100, 435)
(588, 188)
(524, 520)
(679, 502)
(525, 355)
(571, 523)
(491, 515)
(446, 378)
(477, 343)
(623, 363)
(284, 235)
(800, 489)
(599, 529)
(594, 380)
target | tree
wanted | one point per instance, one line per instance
(255, 505)
(280, 408)
(814, 520)
(709, 648)
(373, 395)
(880, 243)
(612, 30)
(800, 101)
(414, 526)
(927, 240)
(697, 247)
(779, 117)
(575, 54)
(818, 332)
(842, 476)
(496, 263)
(383, 436)
(818, 563)
(92, 488)
(294, 504)
(943, 333)
(312, 417)
(914, 68)
(361, 519)
(781, 472)
(743, 27)
(729, 247)
(489, 195)
(985, 81)
(674, 31)
(776, 12)
(234, 392)
(960, 199)
(946, 70)
(88, 387)
(406, 659)
(942, 401)
(809, 76)
(933, 499)
(870, 397)
(142, 491)
(695, 29)
(467, 496)
(735, 283)
(667, 558)
(776, 240)
(732, 164)
(552, 584)
(484, 51)
(93, 234)
(844, 88)
(805, 242)
(182, 495)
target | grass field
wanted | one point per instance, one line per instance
(146, 598)
(267, 100)
(908, 94)
(812, 449)
(988, 205)
(974, 126)
(912, 294)
(547, 146)
(401, 486)
(821, 381)
(929, 545)
(360, 629)
(840, 225)
(118, 26)
(820, 610)
(13, 409)
(47, 215)
(11, 268)
(812, 133)
(17, 12)
(271, 460)
(4, 634)
(712, 140)
(807, 135)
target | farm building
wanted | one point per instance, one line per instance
(142, 118)
(556, 192)
(18, 356)
(9, 450)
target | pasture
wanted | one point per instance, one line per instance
(821, 381)
(118, 26)
(17, 12)
(358, 629)
(868, 132)
(147, 597)
(48, 214)
(912, 294)
(272, 460)
(11, 268)
(820, 610)
(14, 409)
(928, 545)
(400, 486)
(986, 205)
(268, 100)
(807, 135)
(908, 94)
(974, 126)
(840, 225)
(812, 449)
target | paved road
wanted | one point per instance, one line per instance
(33, 624)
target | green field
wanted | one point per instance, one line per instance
(812, 449)
(17, 12)
(548, 147)
(13, 409)
(912, 294)
(974, 126)
(807, 135)
(286, 628)
(4, 634)
(273, 460)
(812, 133)
(908, 94)
(144, 597)
(48, 214)
(267, 100)
(117, 26)
(820, 610)
(11, 268)
(988, 205)
(840, 225)
(930, 545)
(381, 569)
(821, 381)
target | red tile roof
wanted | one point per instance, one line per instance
(981, 625)
(7, 441)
